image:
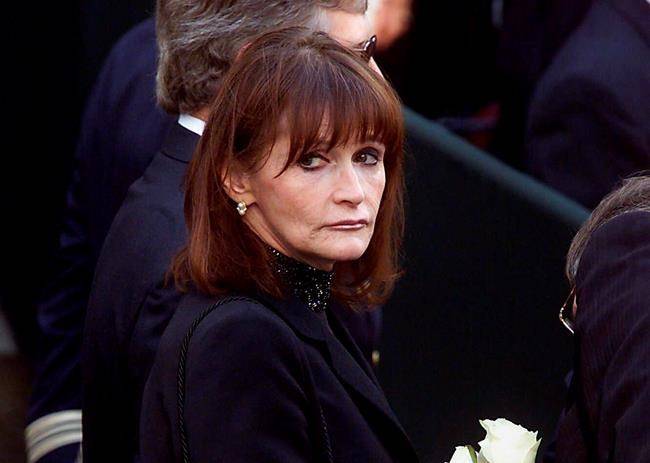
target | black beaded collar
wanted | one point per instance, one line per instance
(311, 285)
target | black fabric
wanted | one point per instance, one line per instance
(613, 348)
(589, 122)
(254, 373)
(322, 445)
(472, 329)
(531, 34)
(130, 303)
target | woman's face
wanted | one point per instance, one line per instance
(323, 208)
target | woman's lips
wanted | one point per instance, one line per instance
(344, 225)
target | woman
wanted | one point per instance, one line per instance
(293, 204)
(608, 265)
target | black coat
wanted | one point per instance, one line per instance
(607, 417)
(256, 377)
(589, 122)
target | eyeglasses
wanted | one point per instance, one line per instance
(367, 49)
(566, 312)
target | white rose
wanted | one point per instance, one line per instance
(507, 442)
(461, 455)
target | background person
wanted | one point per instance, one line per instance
(589, 121)
(606, 418)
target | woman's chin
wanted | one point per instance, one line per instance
(347, 251)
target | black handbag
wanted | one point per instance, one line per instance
(325, 445)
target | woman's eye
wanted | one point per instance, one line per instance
(369, 157)
(311, 161)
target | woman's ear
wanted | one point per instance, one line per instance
(237, 184)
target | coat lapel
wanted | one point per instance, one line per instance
(354, 371)
(343, 335)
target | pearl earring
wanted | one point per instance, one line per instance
(241, 208)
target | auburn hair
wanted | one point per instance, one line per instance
(297, 79)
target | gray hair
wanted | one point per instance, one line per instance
(198, 40)
(633, 195)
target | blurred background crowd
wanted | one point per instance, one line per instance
(531, 93)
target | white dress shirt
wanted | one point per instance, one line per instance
(191, 123)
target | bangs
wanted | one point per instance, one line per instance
(304, 89)
(332, 105)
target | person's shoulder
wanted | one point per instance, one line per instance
(146, 232)
(630, 229)
(612, 281)
(234, 325)
(130, 64)
(135, 49)
(152, 212)
(632, 222)
(236, 316)
(158, 191)
(143, 31)
(618, 249)
(138, 249)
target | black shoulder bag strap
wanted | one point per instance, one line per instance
(180, 385)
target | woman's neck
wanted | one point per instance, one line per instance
(309, 284)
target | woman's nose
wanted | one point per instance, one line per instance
(348, 188)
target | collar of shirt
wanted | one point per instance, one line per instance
(191, 123)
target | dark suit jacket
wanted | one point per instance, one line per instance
(589, 122)
(255, 376)
(531, 34)
(607, 418)
(122, 129)
(129, 304)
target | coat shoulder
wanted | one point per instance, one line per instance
(243, 316)
(613, 293)
(621, 234)
(238, 326)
